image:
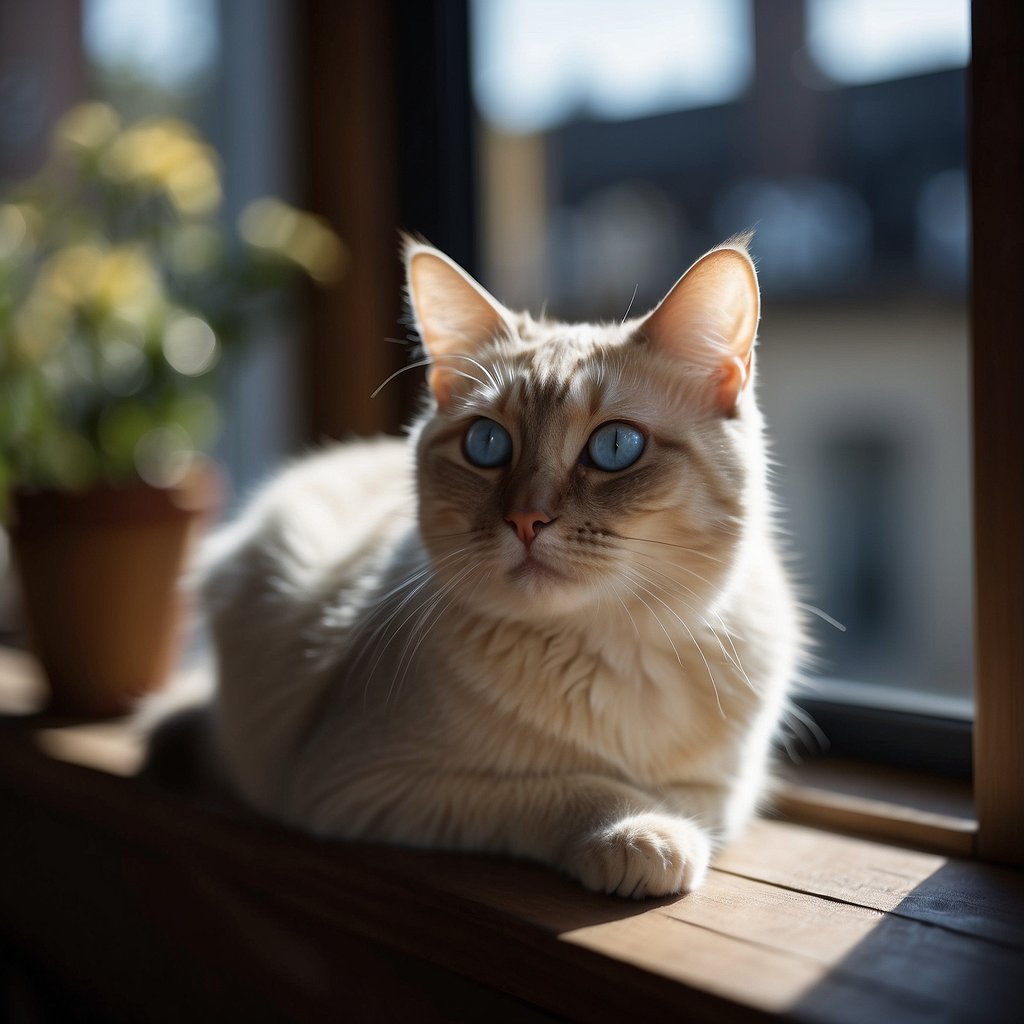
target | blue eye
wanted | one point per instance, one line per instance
(487, 444)
(615, 446)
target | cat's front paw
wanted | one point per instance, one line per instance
(643, 855)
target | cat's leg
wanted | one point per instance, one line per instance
(611, 836)
(723, 810)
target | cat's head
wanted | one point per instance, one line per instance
(562, 465)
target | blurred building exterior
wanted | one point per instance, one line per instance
(42, 72)
(858, 193)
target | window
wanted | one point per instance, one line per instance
(854, 176)
(216, 65)
(153, 55)
(600, 59)
(859, 41)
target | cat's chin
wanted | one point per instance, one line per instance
(534, 571)
(534, 586)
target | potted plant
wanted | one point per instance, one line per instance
(120, 291)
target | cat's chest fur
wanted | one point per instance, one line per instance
(626, 690)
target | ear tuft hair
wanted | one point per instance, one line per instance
(454, 315)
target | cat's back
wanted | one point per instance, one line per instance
(280, 587)
(312, 525)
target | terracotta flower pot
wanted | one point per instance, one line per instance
(100, 574)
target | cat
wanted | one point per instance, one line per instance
(551, 623)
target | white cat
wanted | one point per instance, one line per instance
(553, 623)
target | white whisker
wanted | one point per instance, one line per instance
(696, 643)
(667, 576)
(606, 590)
(735, 659)
(675, 565)
(378, 636)
(429, 361)
(669, 544)
(398, 373)
(422, 628)
(668, 636)
(808, 727)
(480, 366)
(732, 656)
(822, 615)
(630, 306)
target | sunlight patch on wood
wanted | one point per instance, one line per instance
(105, 746)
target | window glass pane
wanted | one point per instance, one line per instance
(152, 57)
(214, 65)
(599, 58)
(859, 197)
(857, 41)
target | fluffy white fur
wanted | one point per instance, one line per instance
(396, 664)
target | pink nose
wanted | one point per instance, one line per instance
(526, 524)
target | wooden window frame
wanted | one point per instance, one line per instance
(996, 157)
(348, 164)
(997, 321)
(388, 146)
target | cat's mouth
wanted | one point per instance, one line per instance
(533, 569)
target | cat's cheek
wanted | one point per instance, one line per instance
(644, 855)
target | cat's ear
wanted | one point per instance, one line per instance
(709, 320)
(454, 315)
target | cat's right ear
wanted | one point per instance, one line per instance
(709, 320)
(454, 315)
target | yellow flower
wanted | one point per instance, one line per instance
(67, 276)
(117, 284)
(168, 155)
(86, 127)
(125, 286)
(15, 230)
(280, 230)
(44, 318)
(40, 324)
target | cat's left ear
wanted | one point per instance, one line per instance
(454, 315)
(709, 320)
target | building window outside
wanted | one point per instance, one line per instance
(836, 128)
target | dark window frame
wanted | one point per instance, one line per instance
(996, 119)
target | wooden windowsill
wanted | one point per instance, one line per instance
(134, 896)
(880, 803)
